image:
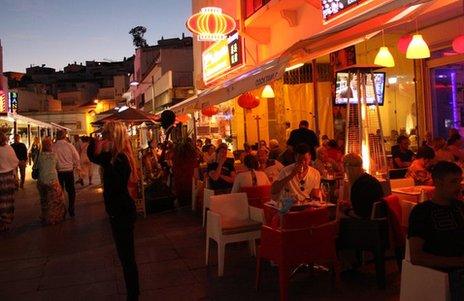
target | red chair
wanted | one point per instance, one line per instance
(257, 195)
(290, 245)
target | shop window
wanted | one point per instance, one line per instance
(299, 76)
(252, 6)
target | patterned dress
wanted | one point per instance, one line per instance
(7, 198)
(51, 195)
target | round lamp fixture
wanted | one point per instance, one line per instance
(248, 101)
(210, 24)
(384, 58)
(403, 43)
(418, 48)
(458, 44)
(268, 92)
(210, 111)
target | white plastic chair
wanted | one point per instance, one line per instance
(398, 183)
(207, 193)
(406, 208)
(422, 283)
(229, 221)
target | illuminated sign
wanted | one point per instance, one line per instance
(210, 24)
(221, 57)
(3, 102)
(13, 96)
(332, 8)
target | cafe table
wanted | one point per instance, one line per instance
(415, 194)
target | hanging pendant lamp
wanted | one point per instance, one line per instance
(418, 48)
(384, 58)
(268, 92)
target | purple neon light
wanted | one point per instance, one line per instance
(454, 99)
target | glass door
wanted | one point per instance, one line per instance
(447, 98)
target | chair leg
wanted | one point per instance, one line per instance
(283, 281)
(252, 246)
(379, 256)
(204, 215)
(221, 253)
(259, 261)
(207, 251)
(336, 273)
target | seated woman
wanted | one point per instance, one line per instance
(419, 167)
(455, 147)
(270, 167)
(221, 172)
(251, 177)
(365, 189)
(442, 153)
(50, 192)
(333, 151)
(401, 154)
(326, 165)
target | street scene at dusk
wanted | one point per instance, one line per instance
(224, 150)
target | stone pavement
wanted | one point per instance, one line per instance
(77, 261)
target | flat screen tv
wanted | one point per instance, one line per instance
(345, 91)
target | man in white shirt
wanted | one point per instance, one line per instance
(299, 179)
(68, 160)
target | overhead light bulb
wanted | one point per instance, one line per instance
(384, 58)
(268, 92)
(418, 48)
(293, 67)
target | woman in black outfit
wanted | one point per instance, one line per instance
(114, 155)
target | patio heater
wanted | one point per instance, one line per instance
(363, 90)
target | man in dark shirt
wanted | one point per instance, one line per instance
(21, 152)
(401, 154)
(304, 135)
(365, 189)
(221, 172)
(436, 227)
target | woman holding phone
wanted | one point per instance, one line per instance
(114, 154)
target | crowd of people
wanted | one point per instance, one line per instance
(55, 166)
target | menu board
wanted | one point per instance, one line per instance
(332, 8)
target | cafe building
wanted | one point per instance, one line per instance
(279, 62)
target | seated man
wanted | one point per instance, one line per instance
(299, 179)
(221, 171)
(436, 227)
(365, 189)
(401, 154)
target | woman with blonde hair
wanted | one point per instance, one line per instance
(8, 164)
(48, 185)
(34, 150)
(114, 155)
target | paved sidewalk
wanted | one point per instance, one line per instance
(77, 261)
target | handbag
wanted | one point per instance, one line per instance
(35, 170)
(35, 173)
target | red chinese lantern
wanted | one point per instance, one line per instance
(210, 24)
(458, 44)
(184, 118)
(248, 101)
(403, 43)
(210, 111)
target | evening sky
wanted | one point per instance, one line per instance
(58, 32)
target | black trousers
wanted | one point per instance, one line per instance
(66, 179)
(123, 235)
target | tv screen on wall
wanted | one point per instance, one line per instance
(345, 91)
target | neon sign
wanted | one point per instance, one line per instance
(332, 8)
(210, 24)
(3, 102)
(221, 57)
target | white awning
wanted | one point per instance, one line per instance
(247, 81)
